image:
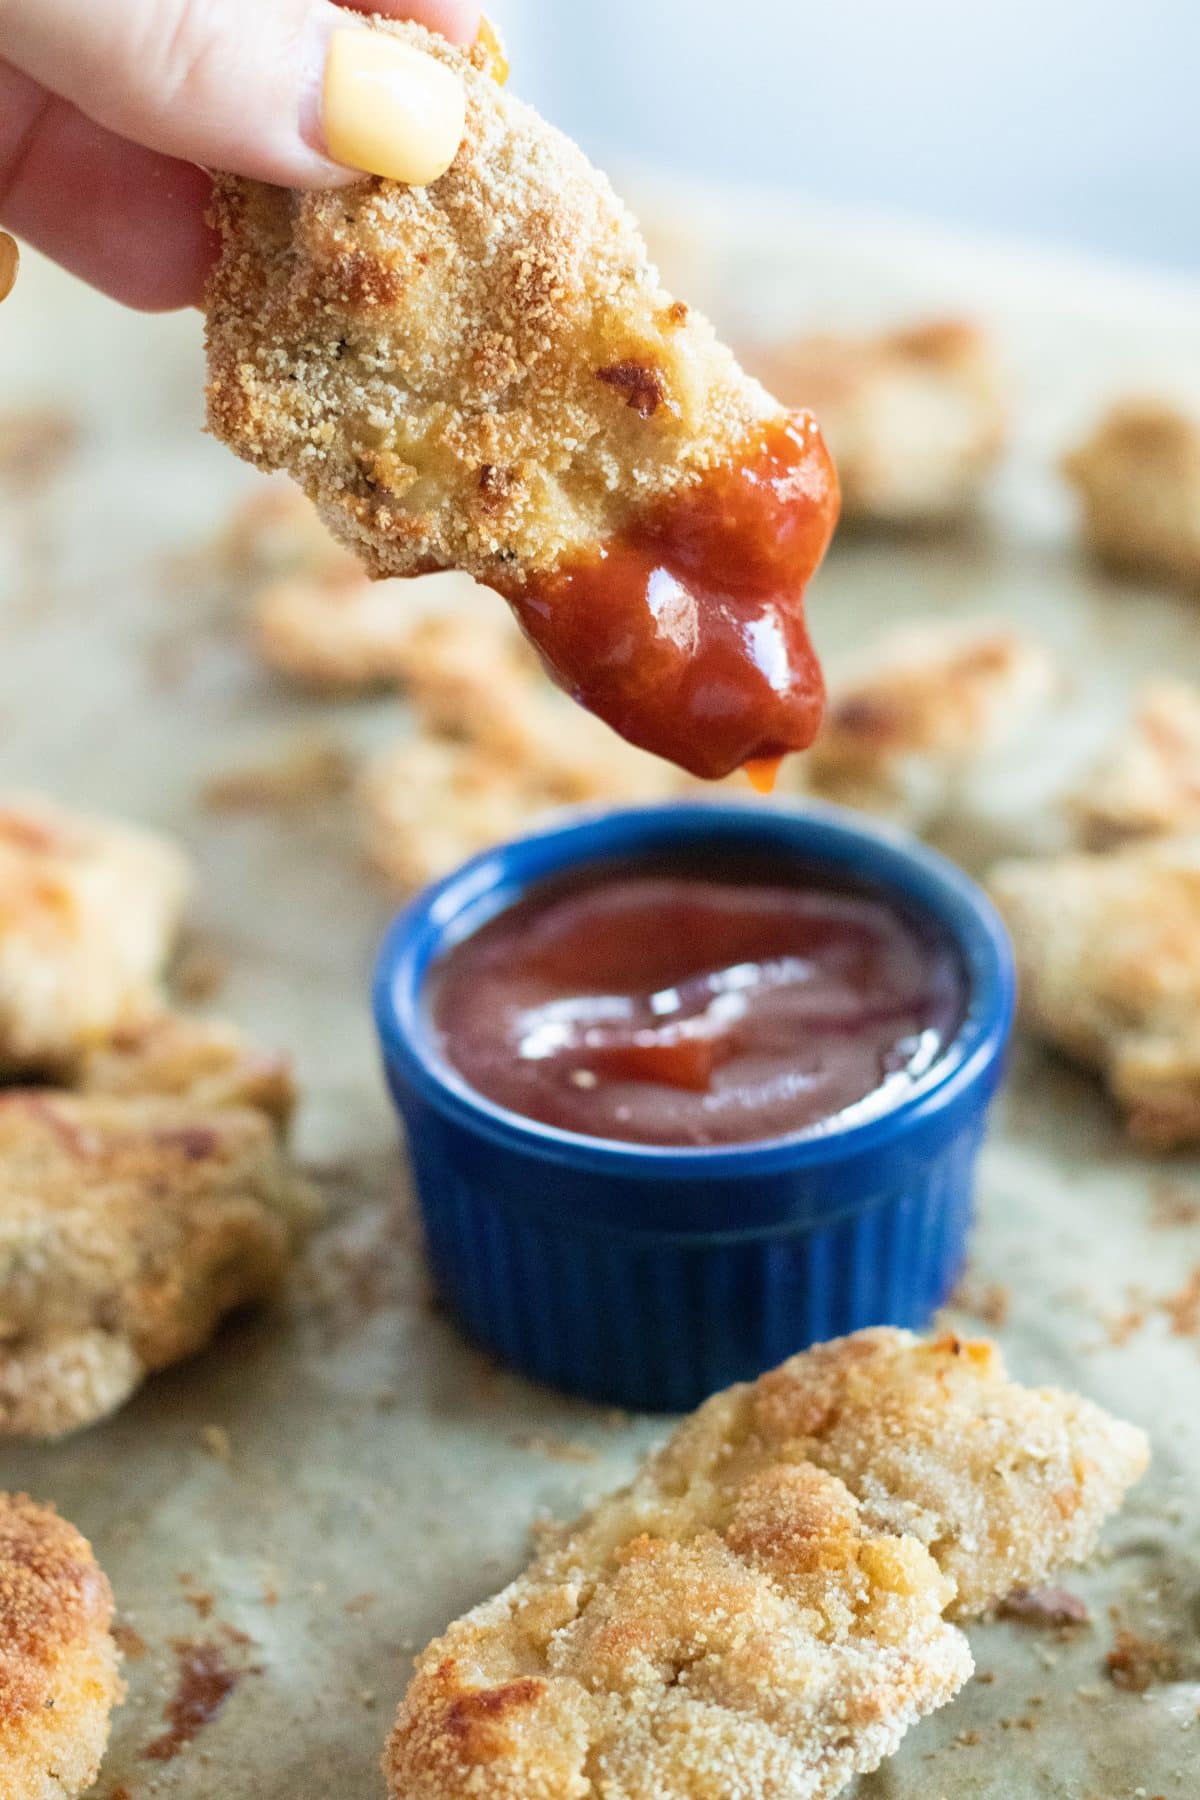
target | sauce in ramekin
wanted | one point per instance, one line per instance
(670, 1004)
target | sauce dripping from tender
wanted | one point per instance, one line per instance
(662, 1005)
(687, 633)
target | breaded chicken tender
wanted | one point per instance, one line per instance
(88, 912)
(205, 1061)
(915, 418)
(274, 532)
(349, 633)
(1148, 782)
(1108, 948)
(58, 1661)
(1003, 1483)
(761, 1611)
(487, 375)
(932, 699)
(128, 1229)
(436, 799)
(497, 749)
(1138, 480)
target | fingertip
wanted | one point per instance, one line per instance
(457, 20)
(128, 221)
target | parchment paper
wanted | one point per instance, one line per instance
(370, 1476)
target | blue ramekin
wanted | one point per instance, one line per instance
(647, 1277)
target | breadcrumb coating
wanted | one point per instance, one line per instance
(88, 911)
(128, 1229)
(436, 799)
(1148, 782)
(1108, 948)
(915, 418)
(932, 698)
(761, 1612)
(58, 1661)
(485, 374)
(205, 1061)
(497, 749)
(1138, 480)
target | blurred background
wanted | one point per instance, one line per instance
(1072, 122)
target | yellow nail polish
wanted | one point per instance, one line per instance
(390, 109)
(10, 262)
(495, 59)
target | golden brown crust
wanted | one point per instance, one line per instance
(1138, 480)
(128, 1229)
(435, 800)
(484, 374)
(914, 418)
(497, 749)
(58, 1661)
(1148, 783)
(933, 699)
(88, 911)
(1108, 947)
(205, 1061)
(762, 1607)
(774, 1642)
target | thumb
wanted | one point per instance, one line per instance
(231, 84)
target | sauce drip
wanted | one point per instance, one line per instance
(663, 1005)
(204, 1684)
(687, 633)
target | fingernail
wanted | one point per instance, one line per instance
(390, 109)
(489, 41)
(10, 262)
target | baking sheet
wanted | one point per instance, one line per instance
(333, 1481)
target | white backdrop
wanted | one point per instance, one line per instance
(1070, 121)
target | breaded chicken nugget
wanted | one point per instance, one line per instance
(1148, 782)
(932, 699)
(1004, 1483)
(497, 749)
(760, 1612)
(915, 418)
(88, 911)
(487, 375)
(1108, 947)
(275, 533)
(436, 798)
(1138, 479)
(205, 1061)
(58, 1661)
(128, 1229)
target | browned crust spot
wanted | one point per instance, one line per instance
(640, 384)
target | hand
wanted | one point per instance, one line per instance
(111, 111)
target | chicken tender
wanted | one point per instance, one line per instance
(128, 1229)
(1148, 783)
(1108, 947)
(487, 375)
(1138, 480)
(205, 1061)
(435, 800)
(761, 1611)
(88, 912)
(915, 418)
(58, 1661)
(320, 620)
(275, 533)
(347, 634)
(497, 750)
(933, 699)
